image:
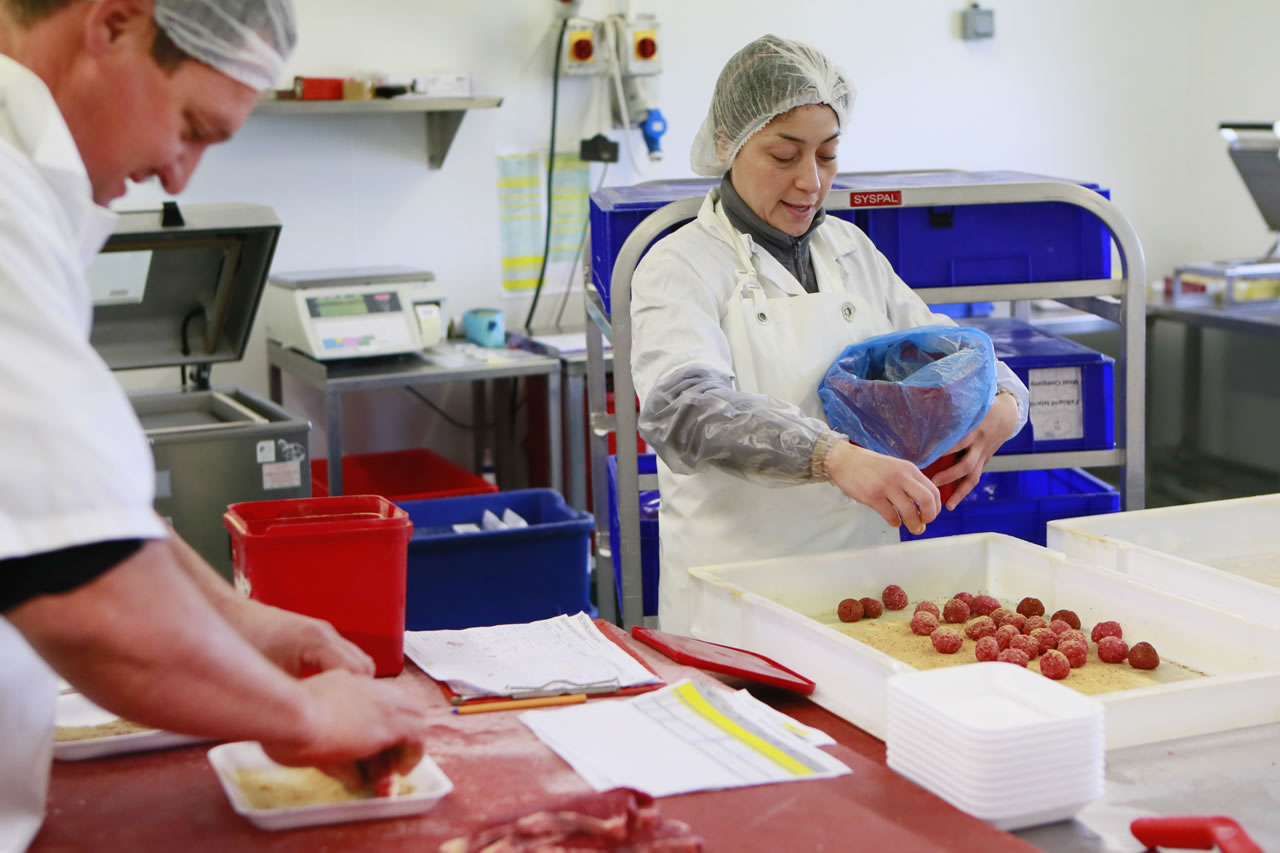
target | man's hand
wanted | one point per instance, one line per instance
(979, 446)
(892, 487)
(359, 731)
(300, 645)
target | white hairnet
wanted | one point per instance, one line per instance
(765, 79)
(247, 40)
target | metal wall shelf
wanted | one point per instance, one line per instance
(1121, 300)
(443, 115)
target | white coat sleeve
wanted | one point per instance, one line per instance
(691, 412)
(907, 310)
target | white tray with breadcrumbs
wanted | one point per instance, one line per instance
(271, 796)
(84, 730)
(1217, 671)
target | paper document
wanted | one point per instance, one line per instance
(564, 654)
(680, 739)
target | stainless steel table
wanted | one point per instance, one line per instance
(1236, 774)
(1188, 462)
(334, 379)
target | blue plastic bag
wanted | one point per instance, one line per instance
(911, 394)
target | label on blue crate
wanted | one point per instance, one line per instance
(1057, 404)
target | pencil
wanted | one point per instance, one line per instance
(514, 704)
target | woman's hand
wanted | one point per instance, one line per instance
(979, 446)
(892, 487)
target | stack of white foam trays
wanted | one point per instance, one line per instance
(998, 741)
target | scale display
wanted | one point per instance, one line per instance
(353, 304)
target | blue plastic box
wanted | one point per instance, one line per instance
(991, 243)
(1020, 503)
(496, 577)
(646, 463)
(616, 211)
(1037, 356)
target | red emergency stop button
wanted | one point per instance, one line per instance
(583, 49)
(646, 47)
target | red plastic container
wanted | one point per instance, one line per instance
(341, 559)
(400, 475)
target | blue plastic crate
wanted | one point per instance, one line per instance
(1039, 357)
(991, 243)
(496, 577)
(616, 211)
(646, 463)
(1020, 503)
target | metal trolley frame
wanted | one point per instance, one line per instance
(1119, 300)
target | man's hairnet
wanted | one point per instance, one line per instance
(247, 40)
(765, 79)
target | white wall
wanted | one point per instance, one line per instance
(1127, 94)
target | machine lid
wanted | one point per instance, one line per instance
(1255, 150)
(181, 294)
(349, 277)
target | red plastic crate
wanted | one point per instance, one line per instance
(400, 475)
(340, 559)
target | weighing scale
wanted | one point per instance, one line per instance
(354, 313)
(1255, 150)
(182, 289)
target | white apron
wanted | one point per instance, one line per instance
(28, 693)
(780, 346)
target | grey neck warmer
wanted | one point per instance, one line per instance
(791, 252)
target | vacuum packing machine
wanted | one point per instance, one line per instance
(180, 289)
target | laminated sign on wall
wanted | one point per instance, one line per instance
(1057, 406)
(522, 197)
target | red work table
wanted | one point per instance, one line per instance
(171, 800)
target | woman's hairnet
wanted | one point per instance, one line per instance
(765, 79)
(247, 40)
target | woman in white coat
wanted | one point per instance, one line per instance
(737, 316)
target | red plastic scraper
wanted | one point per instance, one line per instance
(723, 659)
(1193, 833)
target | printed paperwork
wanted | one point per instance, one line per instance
(682, 739)
(564, 654)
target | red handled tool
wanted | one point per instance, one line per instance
(1193, 833)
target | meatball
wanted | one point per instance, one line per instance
(946, 641)
(955, 611)
(1059, 627)
(1046, 638)
(1004, 634)
(983, 605)
(1112, 649)
(1030, 645)
(1107, 629)
(1076, 651)
(966, 597)
(979, 628)
(1029, 607)
(1034, 623)
(924, 623)
(930, 607)
(871, 609)
(1068, 616)
(850, 610)
(1055, 665)
(987, 648)
(1143, 656)
(1014, 656)
(894, 597)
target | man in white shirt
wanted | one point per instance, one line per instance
(94, 93)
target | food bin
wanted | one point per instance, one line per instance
(785, 609)
(340, 559)
(1222, 553)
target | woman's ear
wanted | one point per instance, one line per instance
(112, 24)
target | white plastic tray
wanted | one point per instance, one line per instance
(74, 709)
(769, 606)
(1222, 553)
(430, 786)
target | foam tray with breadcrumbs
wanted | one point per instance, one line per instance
(1218, 671)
